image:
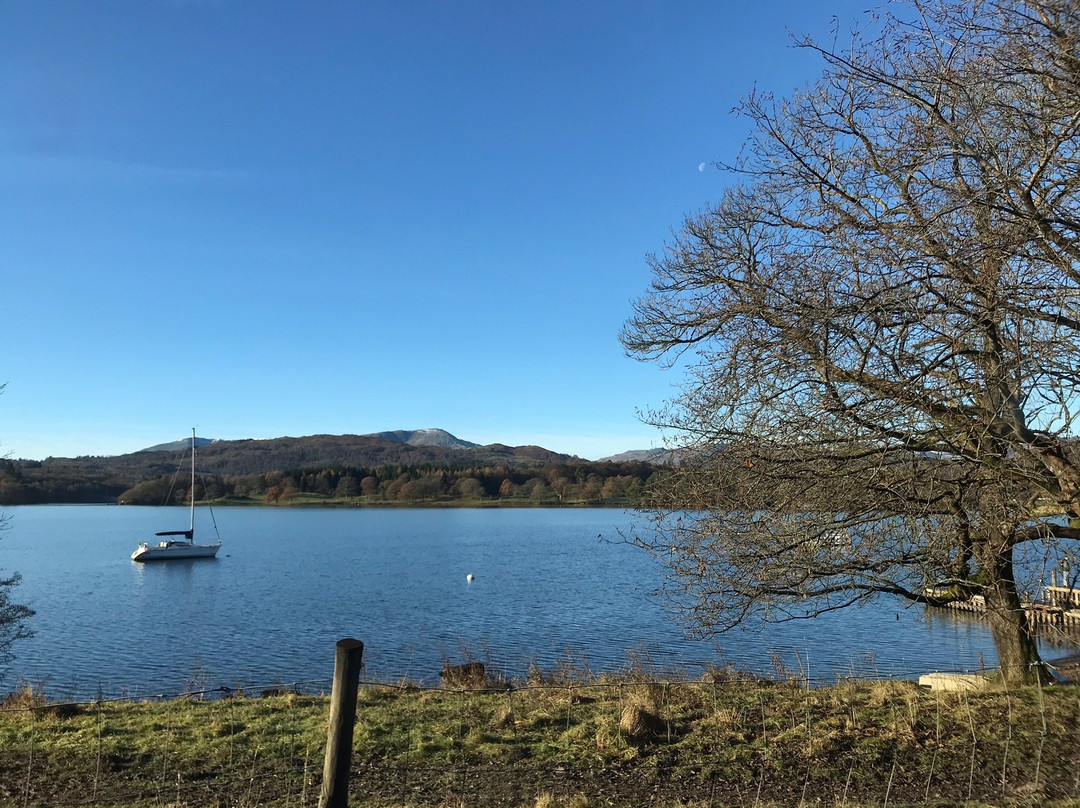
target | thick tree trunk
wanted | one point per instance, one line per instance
(1068, 479)
(1018, 653)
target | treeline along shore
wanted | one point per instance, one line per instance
(581, 483)
(345, 470)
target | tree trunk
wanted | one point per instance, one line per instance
(1018, 653)
(1067, 476)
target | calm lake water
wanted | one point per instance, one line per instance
(290, 583)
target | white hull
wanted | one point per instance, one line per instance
(168, 550)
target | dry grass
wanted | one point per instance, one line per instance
(611, 742)
(25, 697)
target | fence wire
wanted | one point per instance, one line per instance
(632, 740)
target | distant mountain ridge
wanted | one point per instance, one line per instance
(410, 437)
(424, 437)
(97, 479)
(180, 445)
(667, 456)
(347, 451)
(258, 456)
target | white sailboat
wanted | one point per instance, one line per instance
(174, 548)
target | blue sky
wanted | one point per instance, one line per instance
(291, 218)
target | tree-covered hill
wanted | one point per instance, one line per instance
(327, 466)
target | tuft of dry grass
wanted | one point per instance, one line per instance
(638, 724)
(25, 696)
(504, 717)
(469, 676)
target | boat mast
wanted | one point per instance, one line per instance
(191, 528)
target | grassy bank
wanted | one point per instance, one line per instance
(625, 742)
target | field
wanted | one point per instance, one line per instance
(557, 740)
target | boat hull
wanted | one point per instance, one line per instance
(169, 550)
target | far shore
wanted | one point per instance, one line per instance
(315, 501)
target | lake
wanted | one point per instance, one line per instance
(289, 583)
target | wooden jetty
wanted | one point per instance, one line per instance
(1058, 607)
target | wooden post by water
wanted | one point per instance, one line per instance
(348, 658)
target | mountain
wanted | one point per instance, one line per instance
(424, 437)
(180, 445)
(258, 456)
(667, 456)
(326, 451)
(410, 437)
(398, 454)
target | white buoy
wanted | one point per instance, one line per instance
(469, 577)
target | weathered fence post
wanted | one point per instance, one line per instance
(348, 658)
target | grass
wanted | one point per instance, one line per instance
(553, 743)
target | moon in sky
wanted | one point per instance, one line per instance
(700, 166)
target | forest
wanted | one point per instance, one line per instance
(554, 483)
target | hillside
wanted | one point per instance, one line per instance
(320, 451)
(179, 445)
(425, 437)
(668, 456)
(386, 456)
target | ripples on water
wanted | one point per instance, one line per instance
(291, 582)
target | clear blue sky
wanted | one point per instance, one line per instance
(290, 218)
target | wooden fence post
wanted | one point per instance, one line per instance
(348, 658)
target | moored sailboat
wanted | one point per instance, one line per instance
(170, 548)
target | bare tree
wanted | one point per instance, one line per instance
(13, 616)
(884, 320)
